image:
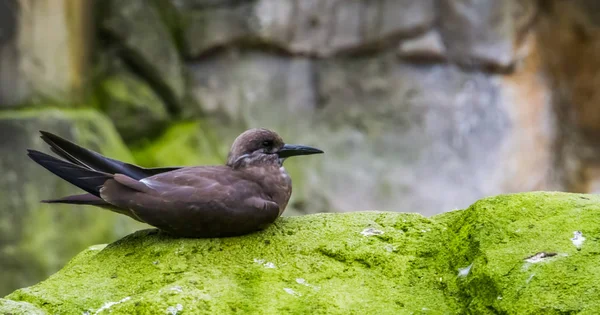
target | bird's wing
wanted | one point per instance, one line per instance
(195, 201)
(95, 161)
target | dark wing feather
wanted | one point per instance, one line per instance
(197, 202)
(86, 179)
(83, 199)
(95, 161)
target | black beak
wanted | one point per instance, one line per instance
(293, 150)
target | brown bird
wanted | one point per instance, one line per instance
(245, 195)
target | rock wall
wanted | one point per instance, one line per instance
(421, 106)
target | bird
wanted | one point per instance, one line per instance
(243, 196)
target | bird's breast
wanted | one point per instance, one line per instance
(283, 173)
(276, 183)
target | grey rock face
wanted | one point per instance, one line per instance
(405, 134)
(149, 46)
(11, 81)
(478, 32)
(307, 27)
(393, 132)
(471, 33)
(250, 85)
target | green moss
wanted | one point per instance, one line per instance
(320, 264)
(496, 235)
(138, 112)
(324, 264)
(184, 143)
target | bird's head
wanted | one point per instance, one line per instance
(263, 146)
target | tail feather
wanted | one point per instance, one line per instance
(86, 179)
(95, 161)
(83, 199)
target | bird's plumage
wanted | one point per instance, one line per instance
(243, 196)
(95, 161)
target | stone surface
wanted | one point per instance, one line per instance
(150, 47)
(37, 65)
(12, 83)
(403, 121)
(526, 253)
(569, 41)
(399, 129)
(136, 110)
(307, 27)
(54, 44)
(240, 84)
(402, 133)
(38, 238)
(428, 47)
(475, 34)
(215, 27)
(183, 144)
(479, 33)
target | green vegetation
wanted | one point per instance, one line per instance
(184, 143)
(473, 260)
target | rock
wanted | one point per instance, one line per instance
(307, 27)
(403, 130)
(215, 27)
(403, 119)
(44, 51)
(384, 122)
(479, 33)
(11, 307)
(569, 43)
(134, 107)
(12, 83)
(37, 238)
(185, 144)
(150, 46)
(525, 253)
(428, 47)
(247, 89)
(242, 85)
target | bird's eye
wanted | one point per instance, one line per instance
(267, 143)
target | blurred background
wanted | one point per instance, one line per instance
(421, 105)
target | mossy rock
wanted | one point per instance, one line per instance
(182, 144)
(481, 260)
(38, 239)
(136, 110)
(147, 44)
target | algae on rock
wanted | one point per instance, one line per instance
(148, 46)
(476, 260)
(182, 144)
(38, 238)
(136, 110)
